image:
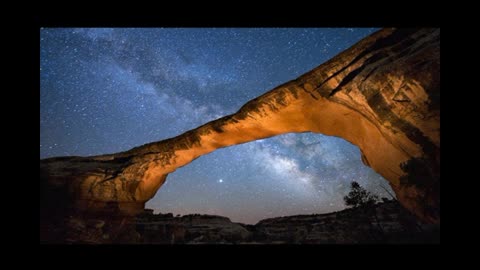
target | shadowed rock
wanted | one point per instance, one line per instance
(386, 222)
(382, 95)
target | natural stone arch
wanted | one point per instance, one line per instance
(311, 173)
(382, 95)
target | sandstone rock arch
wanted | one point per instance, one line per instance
(382, 94)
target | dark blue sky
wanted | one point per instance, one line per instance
(108, 90)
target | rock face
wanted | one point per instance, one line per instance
(382, 94)
(383, 223)
(190, 229)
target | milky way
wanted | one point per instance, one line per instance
(108, 90)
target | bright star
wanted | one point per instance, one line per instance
(220, 180)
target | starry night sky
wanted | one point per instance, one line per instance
(108, 90)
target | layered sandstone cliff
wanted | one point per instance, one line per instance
(385, 222)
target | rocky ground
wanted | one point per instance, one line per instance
(387, 222)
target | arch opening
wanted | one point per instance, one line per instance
(289, 174)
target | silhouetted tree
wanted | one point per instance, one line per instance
(358, 196)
